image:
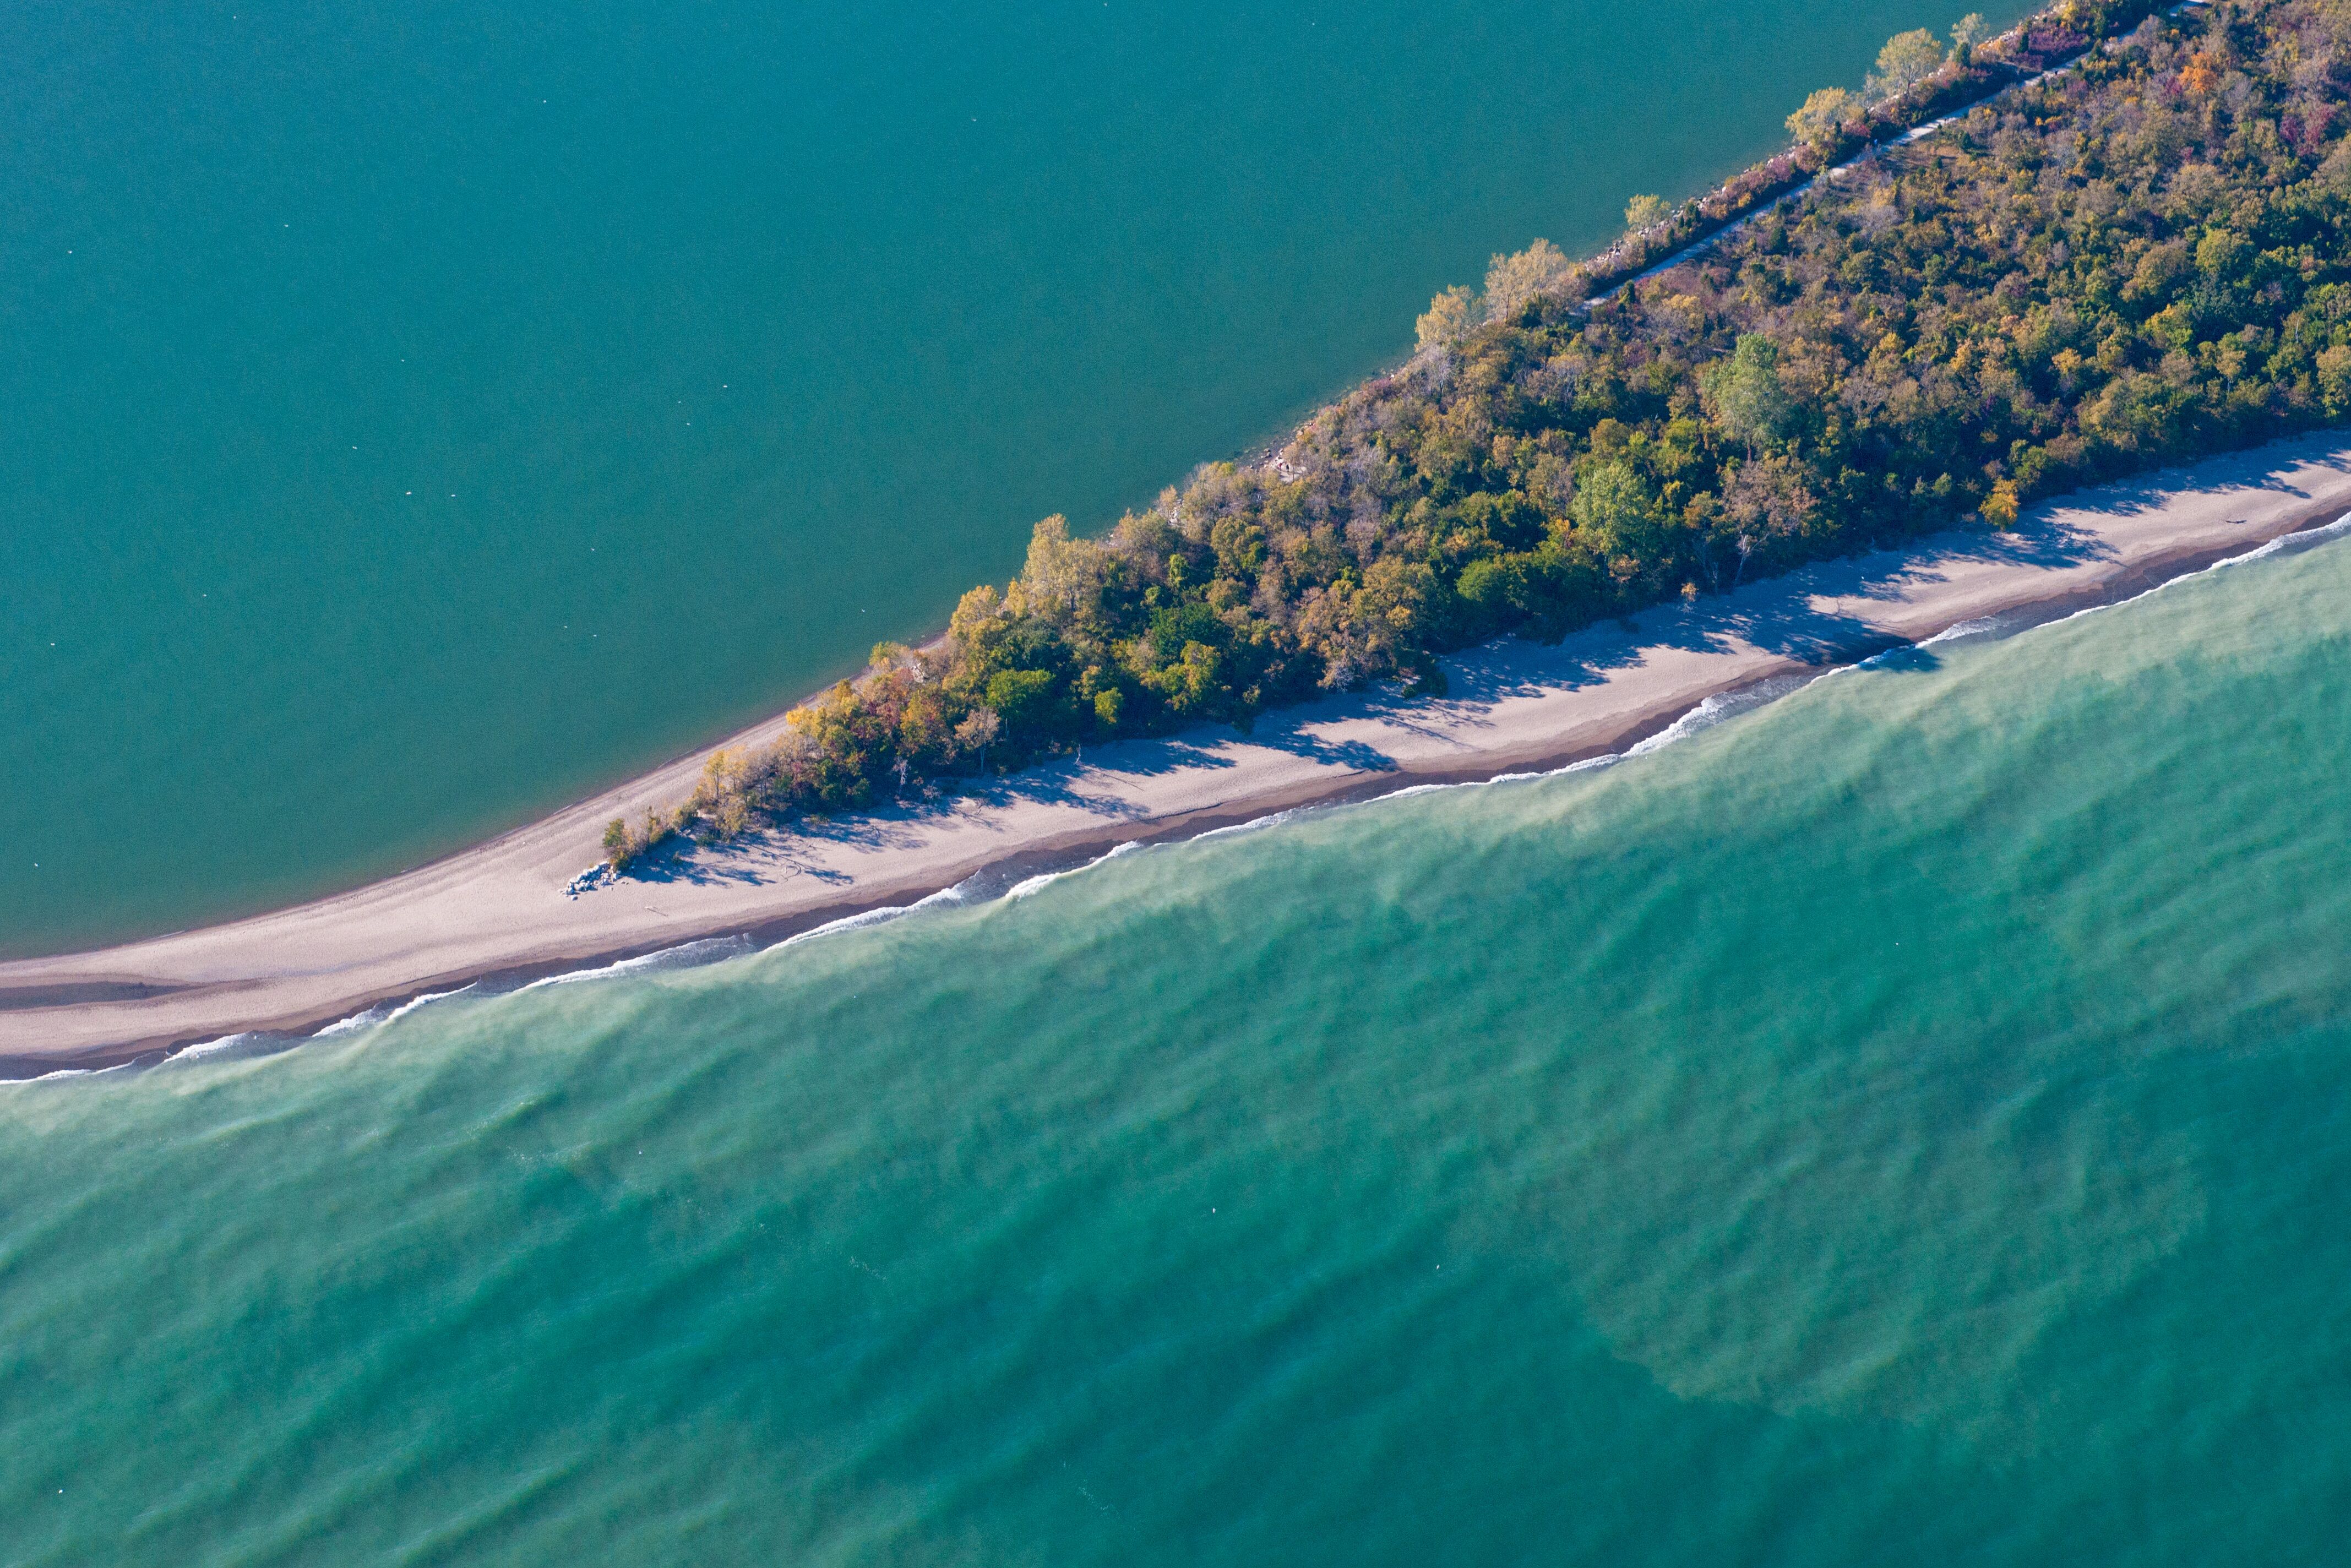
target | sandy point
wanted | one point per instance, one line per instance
(501, 910)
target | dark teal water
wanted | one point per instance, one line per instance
(413, 416)
(1902, 1125)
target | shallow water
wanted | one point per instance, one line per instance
(1901, 1123)
(420, 415)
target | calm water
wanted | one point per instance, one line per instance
(417, 415)
(1906, 1124)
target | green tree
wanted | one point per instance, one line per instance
(1189, 682)
(619, 848)
(1645, 212)
(1022, 699)
(1745, 395)
(1616, 507)
(1966, 34)
(2335, 380)
(1487, 583)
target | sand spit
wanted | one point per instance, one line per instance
(501, 910)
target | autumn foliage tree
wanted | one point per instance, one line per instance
(1821, 119)
(1908, 59)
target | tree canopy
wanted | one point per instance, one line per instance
(1908, 59)
(1641, 212)
(1822, 118)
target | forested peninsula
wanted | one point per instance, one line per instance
(2135, 259)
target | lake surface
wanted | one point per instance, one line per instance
(418, 416)
(1902, 1123)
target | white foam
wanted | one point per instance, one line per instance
(1697, 718)
(2284, 544)
(849, 923)
(1718, 708)
(969, 890)
(385, 1013)
(1982, 625)
(226, 1044)
(238, 1047)
(1412, 789)
(1581, 765)
(1255, 824)
(685, 956)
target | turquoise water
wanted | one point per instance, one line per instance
(1903, 1123)
(419, 415)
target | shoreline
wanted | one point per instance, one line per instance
(496, 913)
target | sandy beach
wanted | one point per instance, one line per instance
(500, 910)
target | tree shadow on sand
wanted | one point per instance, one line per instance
(1783, 617)
(1801, 618)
